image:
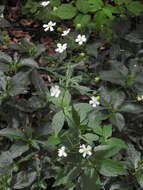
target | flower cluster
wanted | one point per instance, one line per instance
(84, 150)
(81, 39)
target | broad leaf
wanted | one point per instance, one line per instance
(11, 133)
(66, 11)
(24, 179)
(58, 122)
(112, 168)
(90, 180)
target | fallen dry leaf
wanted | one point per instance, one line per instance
(19, 33)
(26, 22)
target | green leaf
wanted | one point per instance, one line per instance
(114, 145)
(28, 62)
(82, 6)
(24, 179)
(5, 61)
(100, 19)
(18, 149)
(134, 37)
(112, 168)
(106, 151)
(117, 98)
(52, 140)
(98, 131)
(55, 3)
(95, 5)
(5, 58)
(90, 138)
(90, 180)
(58, 122)
(135, 7)
(3, 81)
(70, 137)
(11, 133)
(134, 156)
(5, 163)
(109, 10)
(64, 177)
(131, 108)
(83, 109)
(119, 2)
(116, 142)
(66, 11)
(118, 120)
(139, 177)
(113, 76)
(84, 20)
(19, 83)
(75, 116)
(66, 99)
(107, 131)
(39, 83)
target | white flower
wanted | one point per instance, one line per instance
(85, 150)
(66, 32)
(140, 98)
(1, 15)
(45, 3)
(49, 26)
(94, 101)
(61, 48)
(61, 152)
(80, 39)
(55, 91)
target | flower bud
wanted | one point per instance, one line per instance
(98, 98)
(97, 79)
(82, 54)
(59, 29)
(55, 8)
(78, 26)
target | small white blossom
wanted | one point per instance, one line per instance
(80, 39)
(1, 15)
(85, 150)
(94, 101)
(55, 91)
(66, 32)
(140, 98)
(45, 3)
(61, 152)
(61, 48)
(49, 26)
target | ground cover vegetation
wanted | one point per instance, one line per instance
(71, 95)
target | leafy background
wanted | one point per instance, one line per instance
(33, 125)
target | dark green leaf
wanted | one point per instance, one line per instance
(131, 108)
(66, 11)
(82, 6)
(58, 122)
(24, 179)
(90, 180)
(112, 168)
(118, 120)
(11, 133)
(107, 131)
